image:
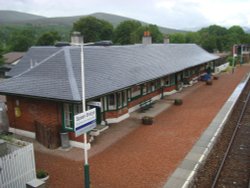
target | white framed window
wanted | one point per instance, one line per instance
(153, 86)
(69, 110)
(158, 84)
(124, 98)
(68, 116)
(186, 73)
(119, 99)
(172, 79)
(166, 81)
(129, 94)
(136, 91)
(111, 101)
(144, 89)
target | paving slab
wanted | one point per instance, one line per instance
(187, 164)
(198, 149)
(181, 173)
(192, 156)
(174, 183)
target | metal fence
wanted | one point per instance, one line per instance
(17, 167)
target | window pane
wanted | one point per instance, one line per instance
(129, 95)
(119, 100)
(144, 89)
(112, 102)
(167, 81)
(68, 121)
(172, 79)
(136, 91)
(124, 98)
(158, 84)
(77, 109)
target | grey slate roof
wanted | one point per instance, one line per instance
(57, 73)
(36, 55)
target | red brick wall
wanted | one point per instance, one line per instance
(143, 98)
(170, 88)
(45, 112)
(78, 139)
(116, 114)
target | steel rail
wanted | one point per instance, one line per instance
(231, 142)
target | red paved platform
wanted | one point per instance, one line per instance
(149, 154)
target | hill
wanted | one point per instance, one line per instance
(12, 17)
(19, 18)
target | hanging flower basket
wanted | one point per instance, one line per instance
(147, 120)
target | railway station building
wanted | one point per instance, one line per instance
(45, 86)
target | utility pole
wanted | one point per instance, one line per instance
(233, 64)
(241, 55)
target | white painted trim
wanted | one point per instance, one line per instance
(195, 79)
(117, 120)
(76, 144)
(170, 92)
(157, 97)
(134, 108)
(221, 68)
(23, 132)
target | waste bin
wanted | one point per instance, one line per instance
(64, 139)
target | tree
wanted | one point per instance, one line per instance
(125, 32)
(215, 30)
(177, 38)
(209, 43)
(48, 38)
(217, 34)
(1, 56)
(22, 40)
(236, 30)
(193, 37)
(94, 29)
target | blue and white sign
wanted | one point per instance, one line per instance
(85, 122)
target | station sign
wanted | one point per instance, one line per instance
(85, 122)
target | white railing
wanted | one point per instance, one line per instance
(221, 68)
(18, 167)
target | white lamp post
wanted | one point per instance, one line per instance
(77, 39)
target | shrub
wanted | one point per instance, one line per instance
(41, 174)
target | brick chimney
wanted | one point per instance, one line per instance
(76, 38)
(146, 39)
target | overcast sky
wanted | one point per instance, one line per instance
(179, 14)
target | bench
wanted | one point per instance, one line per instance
(145, 105)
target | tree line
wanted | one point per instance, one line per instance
(212, 38)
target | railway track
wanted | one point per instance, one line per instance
(234, 168)
(228, 164)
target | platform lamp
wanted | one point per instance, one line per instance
(77, 39)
